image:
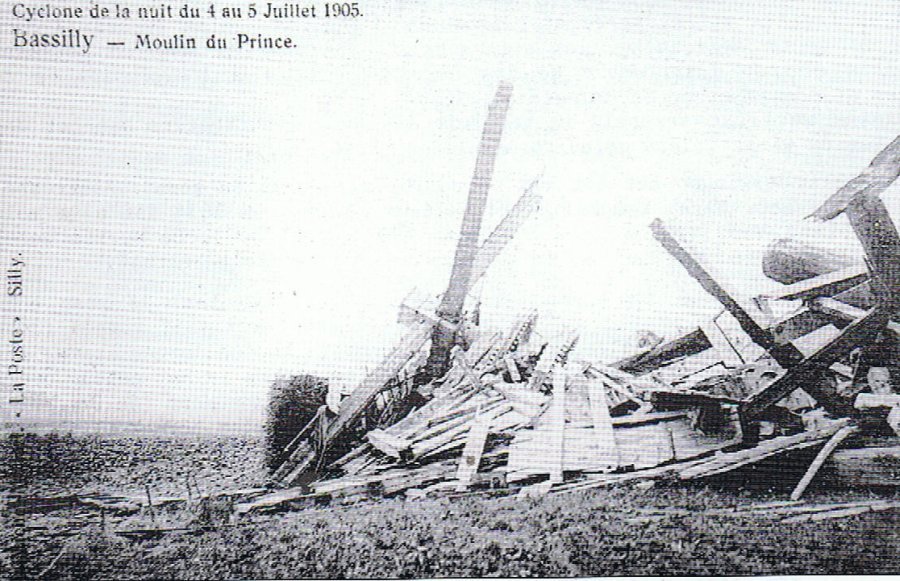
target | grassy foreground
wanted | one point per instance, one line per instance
(576, 534)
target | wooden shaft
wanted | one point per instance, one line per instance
(454, 298)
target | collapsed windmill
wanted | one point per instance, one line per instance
(454, 406)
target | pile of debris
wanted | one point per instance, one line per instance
(455, 407)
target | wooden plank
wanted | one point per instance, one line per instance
(512, 368)
(815, 340)
(387, 443)
(876, 178)
(783, 354)
(824, 285)
(607, 454)
(845, 312)
(827, 515)
(820, 458)
(876, 400)
(471, 456)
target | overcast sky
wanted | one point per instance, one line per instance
(197, 223)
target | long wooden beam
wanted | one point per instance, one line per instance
(824, 285)
(785, 355)
(881, 242)
(452, 302)
(848, 313)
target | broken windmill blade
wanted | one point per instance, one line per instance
(454, 298)
(527, 204)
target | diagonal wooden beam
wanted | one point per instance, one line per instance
(527, 204)
(820, 458)
(786, 355)
(684, 346)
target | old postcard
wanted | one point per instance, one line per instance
(424, 289)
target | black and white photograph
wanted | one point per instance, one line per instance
(398, 289)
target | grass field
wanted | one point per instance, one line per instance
(596, 532)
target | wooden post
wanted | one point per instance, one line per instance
(879, 238)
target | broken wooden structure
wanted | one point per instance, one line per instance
(455, 407)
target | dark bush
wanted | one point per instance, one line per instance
(292, 404)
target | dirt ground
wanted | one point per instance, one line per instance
(666, 529)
